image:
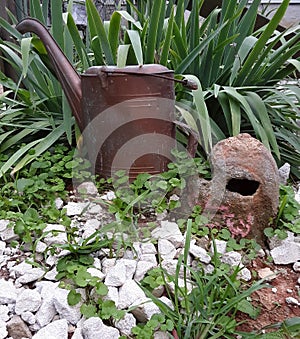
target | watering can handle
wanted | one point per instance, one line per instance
(192, 139)
(185, 82)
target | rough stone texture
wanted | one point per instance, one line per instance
(57, 329)
(200, 253)
(28, 300)
(8, 292)
(87, 188)
(17, 328)
(70, 313)
(116, 275)
(129, 293)
(169, 231)
(166, 249)
(220, 246)
(3, 330)
(142, 268)
(94, 328)
(58, 236)
(126, 324)
(284, 173)
(239, 164)
(286, 253)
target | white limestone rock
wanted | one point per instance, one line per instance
(116, 275)
(94, 328)
(129, 293)
(276, 242)
(232, 258)
(166, 249)
(3, 225)
(296, 266)
(220, 246)
(18, 270)
(142, 268)
(41, 247)
(130, 267)
(94, 272)
(244, 274)
(149, 257)
(147, 248)
(87, 188)
(70, 313)
(30, 276)
(7, 233)
(75, 208)
(144, 308)
(47, 311)
(200, 254)
(170, 267)
(51, 275)
(161, 335)
(28, 300)
(3, 330)
(126, 324)
(4, 310)
(55, 234)
(286, 253)
(107, 264)
(8, 292)
(59, 203)
(28, 317)
(90, 227)
(56, 329)
(2, 247)
(112, 294)
(169, 231)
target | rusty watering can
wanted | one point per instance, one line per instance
(124, 104)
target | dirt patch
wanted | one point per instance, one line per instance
(272, 301)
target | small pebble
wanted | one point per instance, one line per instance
(289, 290)
(292, 301)
(274, 290)
(296, 266)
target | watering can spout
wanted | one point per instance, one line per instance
(66, 74)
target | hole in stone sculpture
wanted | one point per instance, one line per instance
(244, 187)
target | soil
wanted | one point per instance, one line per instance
(272, 300)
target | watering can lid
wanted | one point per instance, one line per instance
(143, 69)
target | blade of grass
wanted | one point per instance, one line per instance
(57, 22)
(136, 45)
(122, 55)
(167, 40)
(114, 33)
(152, 32)
(202, 114)
(36, 10)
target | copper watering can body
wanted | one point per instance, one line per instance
(131, 103)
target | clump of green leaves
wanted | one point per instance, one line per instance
(148, 194)
(29, 199)
(73, 274)
(288, 218)
(158, 322)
